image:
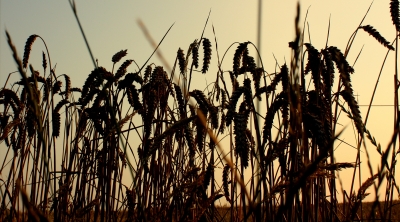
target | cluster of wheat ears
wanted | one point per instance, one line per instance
(68, 148)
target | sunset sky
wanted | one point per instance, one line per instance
(111, 26)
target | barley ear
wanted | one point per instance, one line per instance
(285, 77)
(313, 65)
(250, 140)
(258, 72)
(269, 118)
(208, 175)
(361, 195)
(328, 73)
(181, 103)
(57, 87)
(248, 95)
(232, 105)
(222, 125)
(190, 144)
(214, 116)
(118, 56)
(195, 54)
(56, 120)
(44, 61)
(370, 30)
(394, 12)
(200, 134)
(10, 97)
(241, 144)
(207, 55)
(238, 55)
(122, 69)
(9, 126)
(338, 166)
(345, 69)
(28, 48)
(133, 98)
(373, 141)
(181, 60)
(67, 86)
(129, 79)
(147, 73)
(270, 88)
(225, 183)
(91, 82)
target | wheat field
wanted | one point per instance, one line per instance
(193, 154)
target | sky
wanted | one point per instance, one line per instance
(111, 26)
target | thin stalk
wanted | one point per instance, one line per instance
(73, 7)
